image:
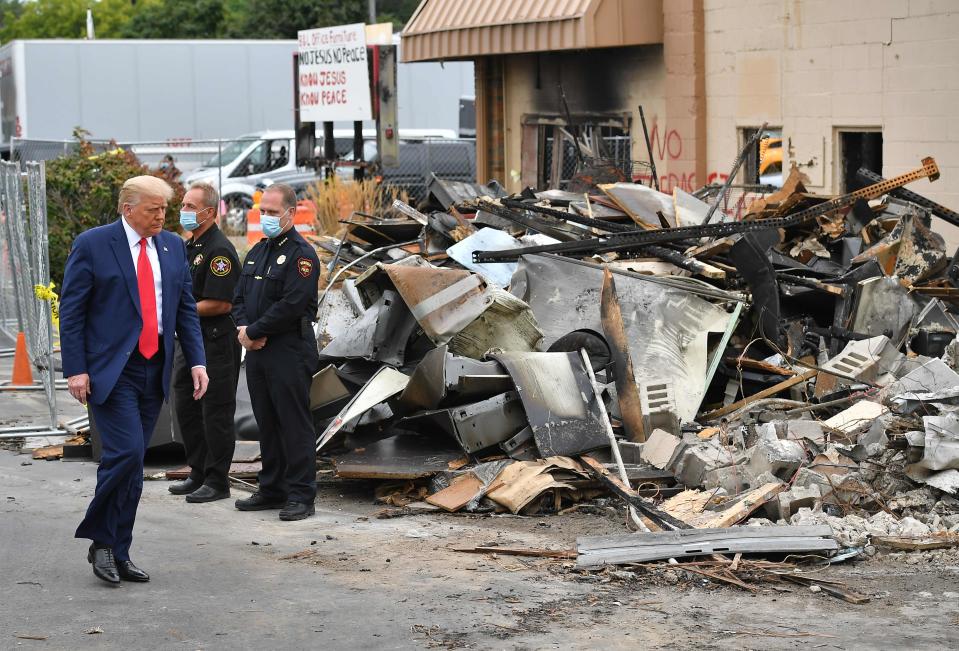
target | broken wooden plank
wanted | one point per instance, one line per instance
(631, 497)
(518, 551)
(458, 494)
(720, 578)
(938, 540)
(765, 393)
(759, 365)
(712, 249)
(50, 452)
(735, 564)
(595, 551)
(812, 283)
(686, 505)
(829, 587)
(740, 509)
(238, 470)
(708, 433)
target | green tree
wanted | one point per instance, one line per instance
(284, 18)
(397, 12)
(177, 19)
(9, 12)
(66, 19)
(146, 19)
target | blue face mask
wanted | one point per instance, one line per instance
(188, 220)
(271, 225)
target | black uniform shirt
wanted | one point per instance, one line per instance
(277, 292)
(214, 265)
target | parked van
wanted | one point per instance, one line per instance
(251, 159)
(246, 161)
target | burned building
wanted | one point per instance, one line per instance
(841, 86)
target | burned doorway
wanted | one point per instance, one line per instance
(857, 148)
(554, 148)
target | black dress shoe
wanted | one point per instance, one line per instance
(184, 487)
(258, 502)
(104, 564)
(207, 494)
(130, 572)
(297, 511)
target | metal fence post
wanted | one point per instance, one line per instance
(8, 288)
(19, 257)
(37, 191)
(219, 171)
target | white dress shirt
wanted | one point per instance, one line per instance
(134, 240)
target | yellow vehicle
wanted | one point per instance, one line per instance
(771, 161)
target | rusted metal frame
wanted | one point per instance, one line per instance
(675, 257)
(609, 227)
(937, 209)
(649, 149)
(765, 393)
(624, 241)
(626, 390)
(732, 174)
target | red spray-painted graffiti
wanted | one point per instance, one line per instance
(668, 146)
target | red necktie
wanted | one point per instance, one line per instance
(149, 336)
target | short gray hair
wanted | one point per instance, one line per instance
(211, 198)
(286, 192)
(137, 187)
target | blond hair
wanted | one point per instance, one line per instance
(138, 187)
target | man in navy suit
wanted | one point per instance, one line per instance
(126, 292)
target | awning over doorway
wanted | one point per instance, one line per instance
(464, 29)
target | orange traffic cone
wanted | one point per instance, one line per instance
(22, 375)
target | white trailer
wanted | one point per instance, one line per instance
(179, 91)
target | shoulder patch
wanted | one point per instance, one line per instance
(304, 266)
(220, 266)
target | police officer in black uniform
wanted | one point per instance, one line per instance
(207, 424)
(274, 307)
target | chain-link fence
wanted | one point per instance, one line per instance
(737, 199)
(561, 162)
(236, 166)
(25, 304)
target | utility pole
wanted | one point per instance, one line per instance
(372, 6)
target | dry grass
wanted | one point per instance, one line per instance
(336, 200)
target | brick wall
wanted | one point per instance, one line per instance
(814, 66)
(684, 59)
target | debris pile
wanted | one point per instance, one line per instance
(796, 368)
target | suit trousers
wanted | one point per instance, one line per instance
(206, 425)
(125, 421)
(279, 378)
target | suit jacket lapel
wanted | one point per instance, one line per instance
(121, 249)
(166, 277)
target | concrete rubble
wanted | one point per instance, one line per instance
(797, 367)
